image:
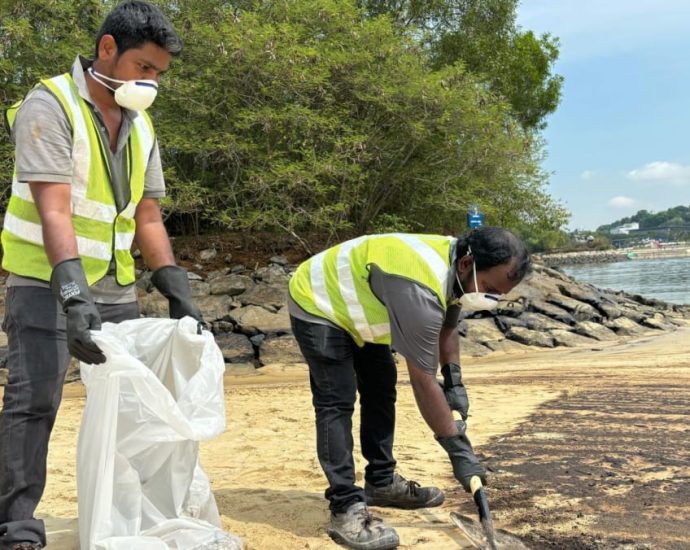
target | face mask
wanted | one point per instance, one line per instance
(137, 95)
(475, 301)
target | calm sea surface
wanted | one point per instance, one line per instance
(667, 279)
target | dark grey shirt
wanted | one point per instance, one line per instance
(43, 153)
(415, 312)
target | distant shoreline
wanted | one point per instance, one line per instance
(609, 256)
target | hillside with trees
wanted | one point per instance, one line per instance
(328, 117)
(670, 224)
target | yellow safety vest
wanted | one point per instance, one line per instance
(102, 233)
(335, 283)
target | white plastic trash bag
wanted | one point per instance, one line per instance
(140, 484)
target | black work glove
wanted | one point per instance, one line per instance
(465, 462)
(454, 389)
(69, 286)
(172, 282)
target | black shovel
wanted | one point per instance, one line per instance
(483, 535)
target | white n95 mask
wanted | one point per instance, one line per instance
(475, 301)
(137, 95)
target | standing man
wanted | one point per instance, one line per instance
(84, 193)
(348, 306)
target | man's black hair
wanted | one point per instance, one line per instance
(492, 246)
(133, 23)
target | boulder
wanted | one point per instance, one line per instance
(531, 337)
(537, 321)
(594, 330)
(551, 310)
(283, 349)
(208, 254)
(468, 348)
(579, 310)
(581, 292)
(236, 347)
(510, 308)
(483, 330)
(274, 296)
(199, 288)
(215, 308)
(570, 339)
(507, 346)
(254, 319)
(658, 321)
(624, 326)
(231, 285)
(272, 275)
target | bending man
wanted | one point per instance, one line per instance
(348, 306)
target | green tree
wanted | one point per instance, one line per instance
(484, 37)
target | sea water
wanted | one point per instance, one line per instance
(665, 279)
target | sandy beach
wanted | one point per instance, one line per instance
(587, 447)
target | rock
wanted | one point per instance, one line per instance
(537, 321)
(581, 293)
(468, 348)
(208, 254)
(232, 285)
(280, 260)
(579, 310)
(658, 321)
(570, 339)
(199, 288)
(263, 295)
(194, 276)
(236, 348)
(510, 309)
(215, 308)
(218, 273)
(551, 310)
(283, 349)
(253, 319)
(153, 305)
(505, 323)
(611, 311)
(483, 330)
(530, 337)
(272, 275)
(239, 268)
(228, 258)
(624, 326)
(594, 330)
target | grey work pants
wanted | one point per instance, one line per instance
(37, 362)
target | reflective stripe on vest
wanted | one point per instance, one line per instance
(335, 283)
(102, 233)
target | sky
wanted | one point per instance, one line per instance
(619, 141)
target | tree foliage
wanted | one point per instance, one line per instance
(484, 37)
(306, 115)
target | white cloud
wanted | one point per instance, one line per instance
(621, 202)
(587, 175)
(662, 172)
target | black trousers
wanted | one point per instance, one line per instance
(338, 369)
(37, 363)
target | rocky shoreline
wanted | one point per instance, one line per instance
(247, 312)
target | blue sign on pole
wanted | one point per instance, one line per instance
(474, 217)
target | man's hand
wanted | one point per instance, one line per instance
(172, 282)
(69, 286)
(465, 463)
(454, 389)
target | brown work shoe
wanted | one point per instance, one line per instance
(358, 529)
(402, 493)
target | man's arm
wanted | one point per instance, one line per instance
(449, 345)
(431, 402)
(53, 202)
(151, 236)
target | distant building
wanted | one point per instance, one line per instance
(625, 229)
